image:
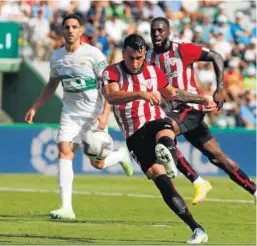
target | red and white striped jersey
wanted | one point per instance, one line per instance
(177, 63)
(133, 115)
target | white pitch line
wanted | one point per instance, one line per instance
(9, 189)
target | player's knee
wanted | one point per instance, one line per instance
(66, 154)
(66, 150)
(215, 157)
(155, 170)
(98, 164)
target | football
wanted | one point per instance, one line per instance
(97, 144)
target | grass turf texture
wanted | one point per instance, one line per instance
(114, 210)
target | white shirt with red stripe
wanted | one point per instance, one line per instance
(177, 63)
(133, 115)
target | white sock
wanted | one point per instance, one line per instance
(114, 158)
(199, 180)
(65, 179)
(255, 194)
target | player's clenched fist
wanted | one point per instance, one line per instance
(209, 105)
(152, 97)
(30, 115)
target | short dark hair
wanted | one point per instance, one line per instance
(162, 19)
(136, 42)
(72, 16)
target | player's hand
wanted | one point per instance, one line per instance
(152, 97)
(218, 98)
(103, 121)
(30, 116)
(209, 105)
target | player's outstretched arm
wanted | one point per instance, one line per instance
(175, 94)
(115, 96)
(46, 94)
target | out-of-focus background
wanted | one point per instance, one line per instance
(31, 30)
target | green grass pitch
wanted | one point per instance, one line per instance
(120, 210)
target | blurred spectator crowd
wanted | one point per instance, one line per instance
(106, 24)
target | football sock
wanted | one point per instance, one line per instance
(199, 180)
(243, 180)
(255, 194)
(113, 158)
(65, 179)
(185, 168)
(175, 201)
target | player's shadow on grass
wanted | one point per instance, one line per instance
(47, 237)
(21, 216)
(88, 240)
(15, 218)
(126, 222)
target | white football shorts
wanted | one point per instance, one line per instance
(72, 128)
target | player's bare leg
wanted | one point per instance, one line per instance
(65, 180)
(212, 150)
(120, 156)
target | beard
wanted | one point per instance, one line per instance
(165, 44)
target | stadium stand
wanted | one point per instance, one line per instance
(214, 24)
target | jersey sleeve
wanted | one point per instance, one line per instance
(110, 75)
(100, 62)
(161, 78)
(190, 52)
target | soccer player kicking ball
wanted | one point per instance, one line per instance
(79, 67)
(176, 60)
(134, 88)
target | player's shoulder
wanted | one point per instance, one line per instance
(90, 49)
(177, 44)
(57, 54)
(188, 45)
(113, 67)
(112, 72)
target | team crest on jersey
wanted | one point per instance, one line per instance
(172, 61)
(83, 64)
(148, 83)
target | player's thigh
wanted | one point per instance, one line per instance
(141, 151)
(186, 119)
(70, 129)
(200, 136)
(142, 143)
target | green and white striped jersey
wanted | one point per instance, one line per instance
(80, 73)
